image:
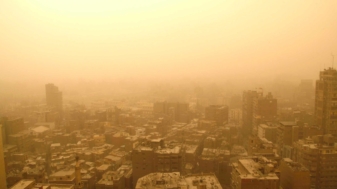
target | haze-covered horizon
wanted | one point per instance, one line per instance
(54, 41)
(152, 94)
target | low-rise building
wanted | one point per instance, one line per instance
(152, 156)
(24, 184)
(254, 173)
(175, 180)
(120, 179)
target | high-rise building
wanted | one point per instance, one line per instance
(217, 113)
(249, 103)
(235, 116)
(257, 109)
(285, 135)
(267, 131)
(11, 127)
(289, 132)
(326, 101)
(3, 177)
(319, 155)
(23, 140)
(294, 175)
(53, 97)
(267, 107)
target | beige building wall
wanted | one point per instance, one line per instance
(3, 183)
(294, 177)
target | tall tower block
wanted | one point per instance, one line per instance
(326, 101)
(3, 177)
(53, 97)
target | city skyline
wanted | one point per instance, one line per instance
(168, 94)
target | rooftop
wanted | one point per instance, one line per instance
(40, 129)
(22, 184)
(255, 168)
(288, 123)
(63, 186)
(208, 180)
(295, 166)
(174, 180)
(214, 152)
(64, 172)
(174, 150)
(54, 186)
(103, 167)
(191, 148)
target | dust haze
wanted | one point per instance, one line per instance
(151, 41)
(127, 57)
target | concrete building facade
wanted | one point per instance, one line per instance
(217, 113)
(54, 97)
(153, 156)
(319, 155)
(254, 173)
(326, 101)
(293, 175)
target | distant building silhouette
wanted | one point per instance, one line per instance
(267, 107)
(249, 103)
(11, 127)
(305, 92)
(53, 97)
(178, 112)
(217, 113)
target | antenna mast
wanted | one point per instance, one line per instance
(333, 59)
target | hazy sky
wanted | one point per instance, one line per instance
(96, 39)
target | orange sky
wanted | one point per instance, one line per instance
(49, 40)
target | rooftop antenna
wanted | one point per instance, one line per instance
(324, 66)
(320, 66)
(333, 59)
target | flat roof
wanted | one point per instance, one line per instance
(174, 150)
(64, 172)
(250, 169)
(40, 129)
(174, 180)
(22, 184)
(288, 123)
